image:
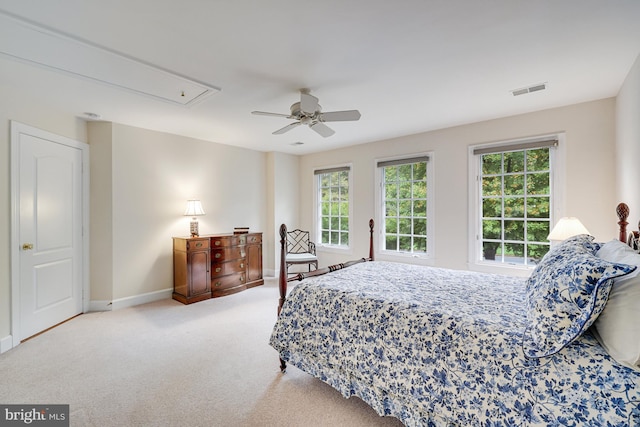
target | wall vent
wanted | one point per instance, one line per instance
(534, 88)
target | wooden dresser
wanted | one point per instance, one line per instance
(216, 265)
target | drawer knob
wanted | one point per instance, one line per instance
(218, 269)
(199, 245)
(218, 255)
(218, 284)
(241, 265)
(217, 243)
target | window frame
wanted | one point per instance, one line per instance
(557, 197)
(393, 255)
(317, 232)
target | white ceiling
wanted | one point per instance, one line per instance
(408, 65)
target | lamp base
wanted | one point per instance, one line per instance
(194, 228)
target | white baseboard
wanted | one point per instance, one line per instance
(100, 305)
(6, 344)
(119, 303)
(141, 299)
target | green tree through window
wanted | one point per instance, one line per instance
(516, 205)
(333, 194)
(404, 198)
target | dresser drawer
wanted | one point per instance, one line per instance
(224, 268)
(194, 245)
(229, 281)
(224, 241)
(190, 244)
(226, 254)
(254, 239)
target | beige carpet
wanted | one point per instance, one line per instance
(168, 364)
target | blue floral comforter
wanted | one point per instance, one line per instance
(442, 347)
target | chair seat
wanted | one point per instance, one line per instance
(303, 257)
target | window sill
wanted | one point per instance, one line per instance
(407, 258)
(508, 269)
(346, 250)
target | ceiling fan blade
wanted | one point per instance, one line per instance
(322, 129)
(339, 116)
(287, 128)
(264, 113)
(308, 103)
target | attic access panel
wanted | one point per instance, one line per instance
(47, 48)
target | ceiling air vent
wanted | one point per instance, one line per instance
(534, 88)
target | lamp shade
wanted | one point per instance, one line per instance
(194, 208)
(567, 227)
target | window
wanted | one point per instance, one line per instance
(404, 206)
(333, 206)
(515, 202)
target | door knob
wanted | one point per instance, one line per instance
(27, 246)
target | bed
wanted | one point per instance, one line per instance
(438, 347)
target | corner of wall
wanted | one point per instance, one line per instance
(101, 207)
(627, 144)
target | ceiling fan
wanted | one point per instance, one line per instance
(308, 112)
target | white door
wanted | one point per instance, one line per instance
(50, 245)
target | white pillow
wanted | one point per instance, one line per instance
(618, 326)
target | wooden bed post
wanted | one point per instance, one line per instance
(622, 210)
(371, 239)
(282, 278)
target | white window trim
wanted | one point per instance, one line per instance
(384, 255)
(557, 178)
(320, 247)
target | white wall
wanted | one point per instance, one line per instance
(284, 199)
(152, 176)
(590, 182)
(101, 213)
(628, 143)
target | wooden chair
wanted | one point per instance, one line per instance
(300, 250)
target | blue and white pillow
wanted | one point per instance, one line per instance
(566, 292)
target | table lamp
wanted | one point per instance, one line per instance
(568, 226)
(194, 209)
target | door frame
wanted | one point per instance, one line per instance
(18, 129)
